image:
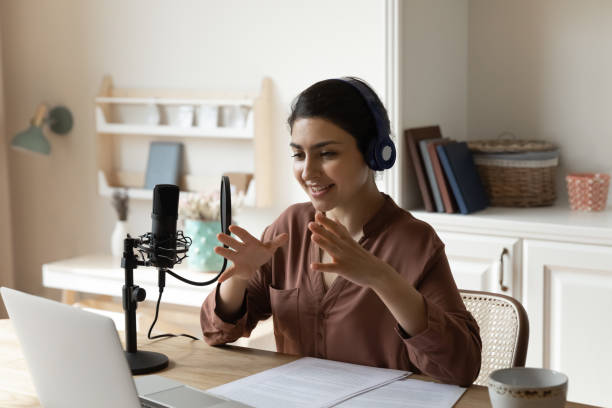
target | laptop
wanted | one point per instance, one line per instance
(75, 359)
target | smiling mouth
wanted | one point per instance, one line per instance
(319, 190)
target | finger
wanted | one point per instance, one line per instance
(325, 267)
(243, 234)
(331, 225)
(327, 245)
(229, 241)
(317, 228)
(226, 253)
(228, 273)
(279, 240)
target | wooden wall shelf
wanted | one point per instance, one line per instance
(210, 151)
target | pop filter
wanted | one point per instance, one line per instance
(226, 205)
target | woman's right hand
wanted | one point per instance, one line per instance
(247, 256)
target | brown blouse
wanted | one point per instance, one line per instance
(349, 322)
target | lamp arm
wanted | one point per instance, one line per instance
(39, 116)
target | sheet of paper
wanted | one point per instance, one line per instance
(408, 393)
(307, 382)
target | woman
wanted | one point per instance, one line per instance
(348, 276)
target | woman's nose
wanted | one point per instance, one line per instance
(311, 169)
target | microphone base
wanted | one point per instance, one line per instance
(145, 362)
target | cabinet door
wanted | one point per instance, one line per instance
(568, 297)
(482, 262)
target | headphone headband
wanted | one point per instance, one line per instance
(381, 151)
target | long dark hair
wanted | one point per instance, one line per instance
(341, 104)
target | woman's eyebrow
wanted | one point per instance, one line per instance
(316, 146)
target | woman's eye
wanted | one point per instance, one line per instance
(328, 154)
(297, 155)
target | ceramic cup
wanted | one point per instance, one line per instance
(136, 114)
(207, 116)
(234, 116)
(523, 387)
(178, 115)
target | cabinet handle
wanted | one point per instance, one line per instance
(503, 287)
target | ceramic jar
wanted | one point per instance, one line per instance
(201, 255)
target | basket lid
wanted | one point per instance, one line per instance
(509, 146)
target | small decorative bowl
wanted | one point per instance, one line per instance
(522, 387)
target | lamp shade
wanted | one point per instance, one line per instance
(32, 140)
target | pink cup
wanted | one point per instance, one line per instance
(588, 191)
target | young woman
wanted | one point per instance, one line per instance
(348, 276)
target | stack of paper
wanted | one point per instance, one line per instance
(408, 394)
(311, 382)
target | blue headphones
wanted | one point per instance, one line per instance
(381, 151)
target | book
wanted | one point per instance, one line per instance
(459, 167)
(164, 163)
(448, 199)
(412, 137)
(433, 183)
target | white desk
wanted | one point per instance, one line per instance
(102, 275)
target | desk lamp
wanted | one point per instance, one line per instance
(33, 140)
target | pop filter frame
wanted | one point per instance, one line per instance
(226, 205)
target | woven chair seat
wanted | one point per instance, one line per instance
(504, 330)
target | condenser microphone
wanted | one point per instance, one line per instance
(163, 230)
(163, 248)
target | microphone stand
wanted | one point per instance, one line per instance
(140, 362)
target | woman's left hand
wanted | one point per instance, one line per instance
(349, 259)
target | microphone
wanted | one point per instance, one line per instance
(162, 248)
(163, 229)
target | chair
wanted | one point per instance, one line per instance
(504, 330)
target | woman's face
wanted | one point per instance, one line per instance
(327, 163)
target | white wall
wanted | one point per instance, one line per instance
(434, 69)
(59, 51)
(543, 70)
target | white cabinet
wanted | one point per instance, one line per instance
(560, 268)
(568, 297)
(481, 262)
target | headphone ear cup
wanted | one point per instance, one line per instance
(381, 154)
(388, 153)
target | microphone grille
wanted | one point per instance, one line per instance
(165, 199)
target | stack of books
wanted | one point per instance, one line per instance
(445, 172)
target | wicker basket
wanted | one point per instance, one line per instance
(588, 191)
(515, 182)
